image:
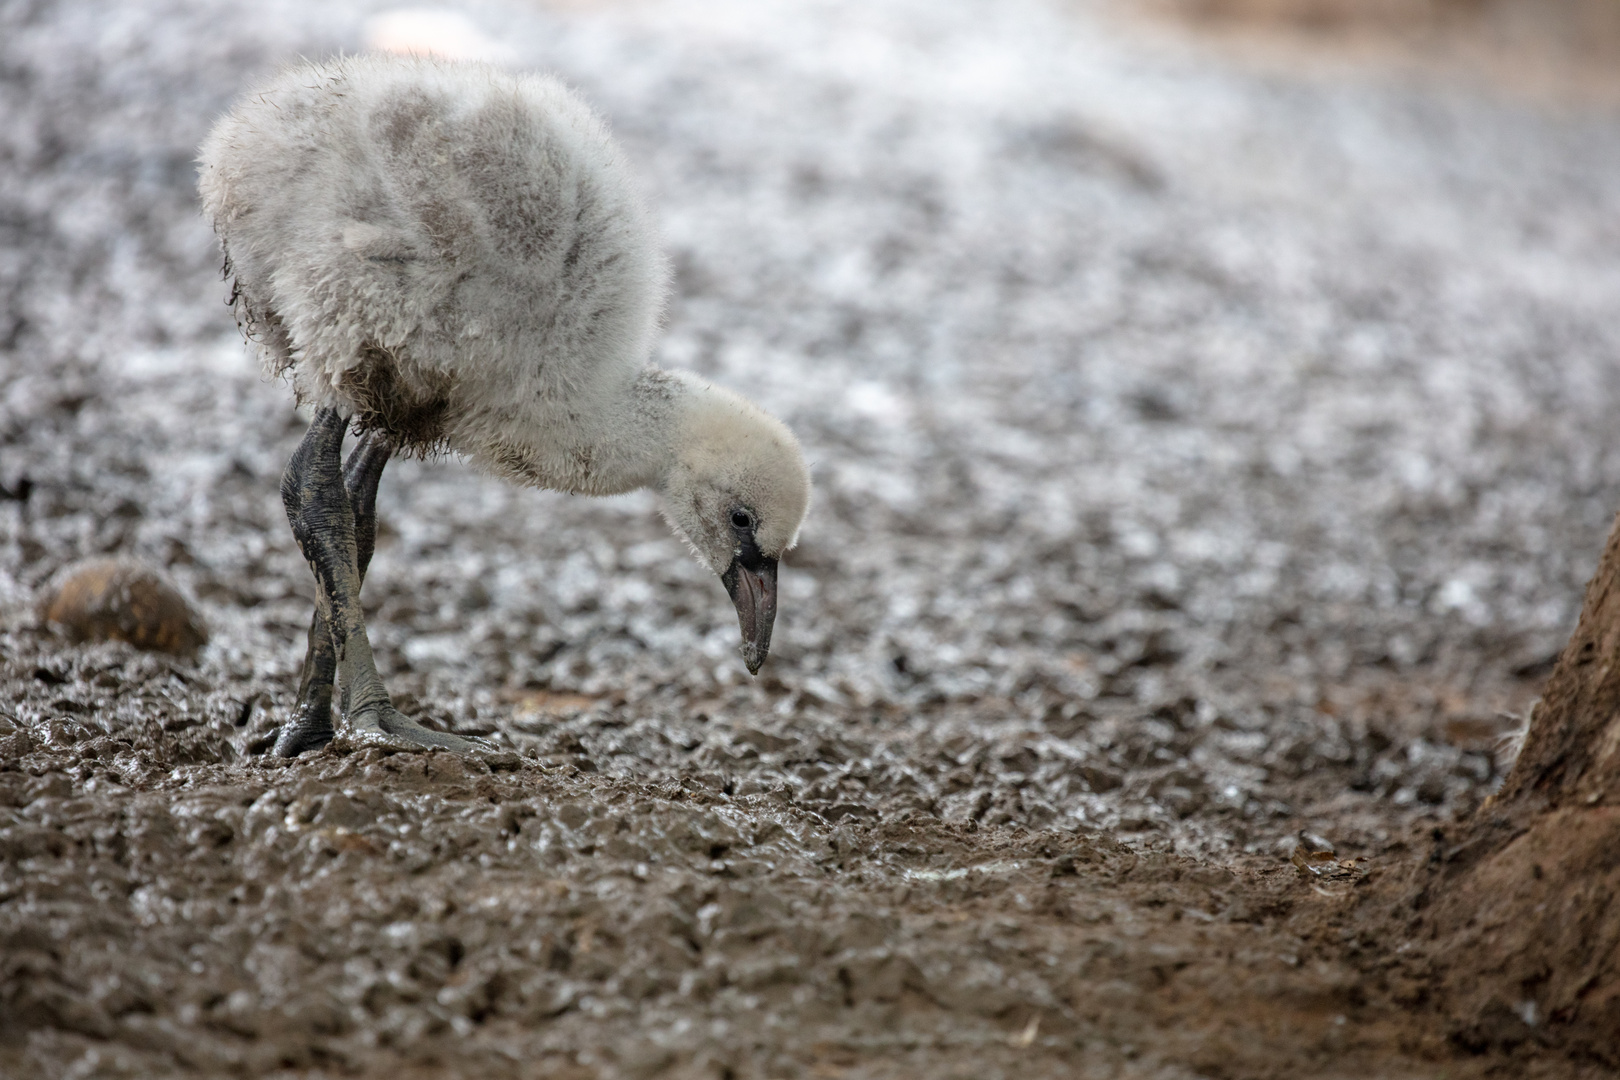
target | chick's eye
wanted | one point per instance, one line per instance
(742, 519)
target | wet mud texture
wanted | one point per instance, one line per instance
(1208, 465)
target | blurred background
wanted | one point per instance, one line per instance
(1559, 47)
(1211, 402)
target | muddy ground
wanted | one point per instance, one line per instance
(1208, 465)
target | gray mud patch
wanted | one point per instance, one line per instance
(1207, 467)
(367, 914)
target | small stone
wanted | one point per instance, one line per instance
(123, 600)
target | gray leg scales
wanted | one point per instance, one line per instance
(333, 519)
(310, 726)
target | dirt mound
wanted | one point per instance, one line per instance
(1501, 935)
(1533, 939)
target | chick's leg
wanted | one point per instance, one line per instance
(310, 727)
(323, 522)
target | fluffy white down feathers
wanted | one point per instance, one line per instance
(459, 256)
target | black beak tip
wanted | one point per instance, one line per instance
(753, 591)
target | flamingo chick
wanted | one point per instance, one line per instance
(444, 256)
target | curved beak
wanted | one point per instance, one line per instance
(754, 593)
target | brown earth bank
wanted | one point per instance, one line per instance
(1509, 932)
(1512, 913)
